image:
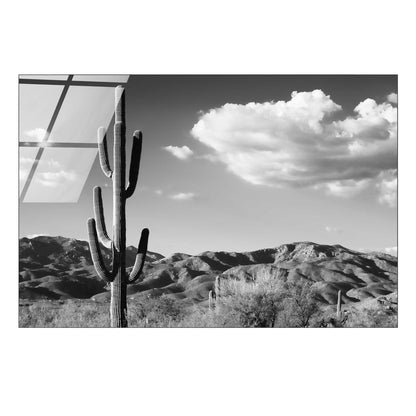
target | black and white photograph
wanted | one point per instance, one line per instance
(207, 207)
(259, 201)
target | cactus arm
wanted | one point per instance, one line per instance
(96, 255)
(99, 218)
(134, 163)
(136, 271)
(103, 153)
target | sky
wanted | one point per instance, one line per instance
(231, 163)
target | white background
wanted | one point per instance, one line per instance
(189, 371)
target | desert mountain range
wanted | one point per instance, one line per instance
(61, 268)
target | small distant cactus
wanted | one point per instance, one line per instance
(117, 277)
(210, 300)
(339, 312)
(217, 288)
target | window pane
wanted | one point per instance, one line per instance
(36, 106)
(52, 77)
(102, 78)
(84, 110)
(60, 175)
(26, 158)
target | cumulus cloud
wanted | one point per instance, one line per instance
(54, 179)
(36, 134)
(391, 250)
(183, 196)
(158, 192)
(344, 188)
(182, 153)
(36, 235)
(50, 174)
(387, 186)
(392, 98)
(301, 143)
(25, 164)
(334, 230)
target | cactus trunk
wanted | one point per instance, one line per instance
(96, 227)
(118, 304)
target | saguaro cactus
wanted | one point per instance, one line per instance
(217, 289)
(339, 304)
(96, 226)
(210, 300)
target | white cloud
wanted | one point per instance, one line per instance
(391, 250)
(299, 143)
(335, 230)
(36, 134)
(345, 188)
(51, 163)
(210, 157)
(182, 153)
(183, 196)
(54, 179)
(388, 250)
(388, 188)
(53, 175)
(36, 235)
(159, 192)
(392, 98)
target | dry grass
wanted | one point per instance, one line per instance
(70, 314)
(264, 303)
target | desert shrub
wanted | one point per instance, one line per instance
(199, 317)
(300, 306)
(372, 318)
(251, 304)
(253, 309)
(268, 302)
(160, 311)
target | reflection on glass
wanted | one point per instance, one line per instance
(60, 175)
(52, 77)
(102, 78)
(26, 158)
(36, 106)
(84, 110)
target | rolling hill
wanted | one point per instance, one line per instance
(61, 268)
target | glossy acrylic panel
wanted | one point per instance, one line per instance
(60, 175)
(84, 110)
(27, 156)
(36, 106)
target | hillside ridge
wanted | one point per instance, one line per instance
(61, 268)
